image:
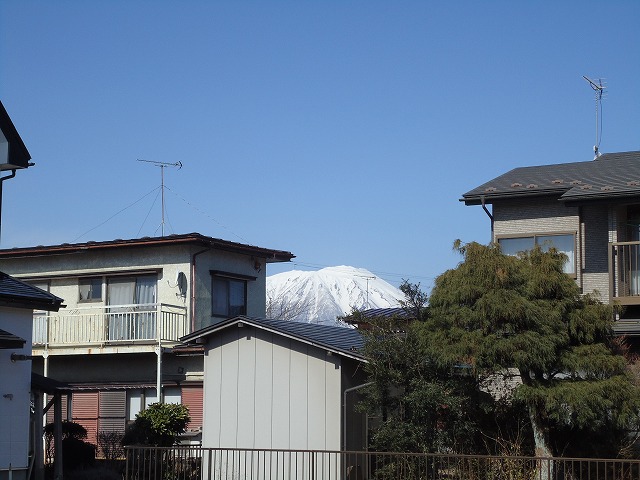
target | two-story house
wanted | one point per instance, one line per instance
(128, 302)
(588, 210)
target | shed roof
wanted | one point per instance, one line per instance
(271, 256)
(14, 293)
(610, 176)
(347, 342)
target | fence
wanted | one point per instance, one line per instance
(195, 463)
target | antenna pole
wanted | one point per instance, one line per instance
(162, 166)
(598, 88)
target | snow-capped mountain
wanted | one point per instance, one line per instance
(323, 295)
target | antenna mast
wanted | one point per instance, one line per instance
(162, 166)
(598, 88)
(367, 279)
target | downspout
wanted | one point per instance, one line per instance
(486, 210)
(344, 411)
(2, 179)
(192, 300)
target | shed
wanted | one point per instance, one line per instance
(272, 384)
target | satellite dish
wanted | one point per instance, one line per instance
(181, 282)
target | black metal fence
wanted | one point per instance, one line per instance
(195, 463)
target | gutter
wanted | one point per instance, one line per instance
(486, 210)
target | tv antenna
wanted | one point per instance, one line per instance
(598, 88)
(367, 278)
(162, 166)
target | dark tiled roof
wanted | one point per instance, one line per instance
(270, 255)
(346, 341)
(9, 340)
(14, 293)
(385, 313)
(612, 175)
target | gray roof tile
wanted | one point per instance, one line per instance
(13, 292)
(609, 176)
(339, 339)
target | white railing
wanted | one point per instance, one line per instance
(111, 324)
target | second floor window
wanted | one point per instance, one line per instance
(228, 294)
(90, 289)
(132, 290)
(563, 243)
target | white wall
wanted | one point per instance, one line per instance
(15, 387)
(266, 391)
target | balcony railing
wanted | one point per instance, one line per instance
(110, 325)
(624, 272)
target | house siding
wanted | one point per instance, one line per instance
(543, 216)
(267, 391)
(594, 225)
(596, 234)
(15, 378)
(521, 217)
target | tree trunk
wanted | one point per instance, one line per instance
(541, 442)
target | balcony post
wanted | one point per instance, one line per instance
(159, 372)
(612, 266)
(159, 352)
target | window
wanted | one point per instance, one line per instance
(563, 243)
(90, 289)
(137, 290)
(229, 294)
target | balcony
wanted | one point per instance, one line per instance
(624, 285)
(624, 272)
(109, 328)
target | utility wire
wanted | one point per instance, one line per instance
(148, 213)
(207, 215)
(114, 215)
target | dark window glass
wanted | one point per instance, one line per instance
(229, 297)
(90, 289)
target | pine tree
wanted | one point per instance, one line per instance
(505, 315)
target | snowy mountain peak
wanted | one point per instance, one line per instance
(323, 295)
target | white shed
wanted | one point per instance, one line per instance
(271, 384)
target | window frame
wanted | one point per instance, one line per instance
(217, 275)
(536, 235)
(90, 299)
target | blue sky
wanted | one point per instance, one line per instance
(342, 131)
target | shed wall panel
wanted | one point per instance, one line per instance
(246, 399)
(264, 386)
(281, 404)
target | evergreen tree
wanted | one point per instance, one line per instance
(505, 315)
(421, 405)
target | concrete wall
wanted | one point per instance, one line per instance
(230, 263)
(15, 397)
(266, 391)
